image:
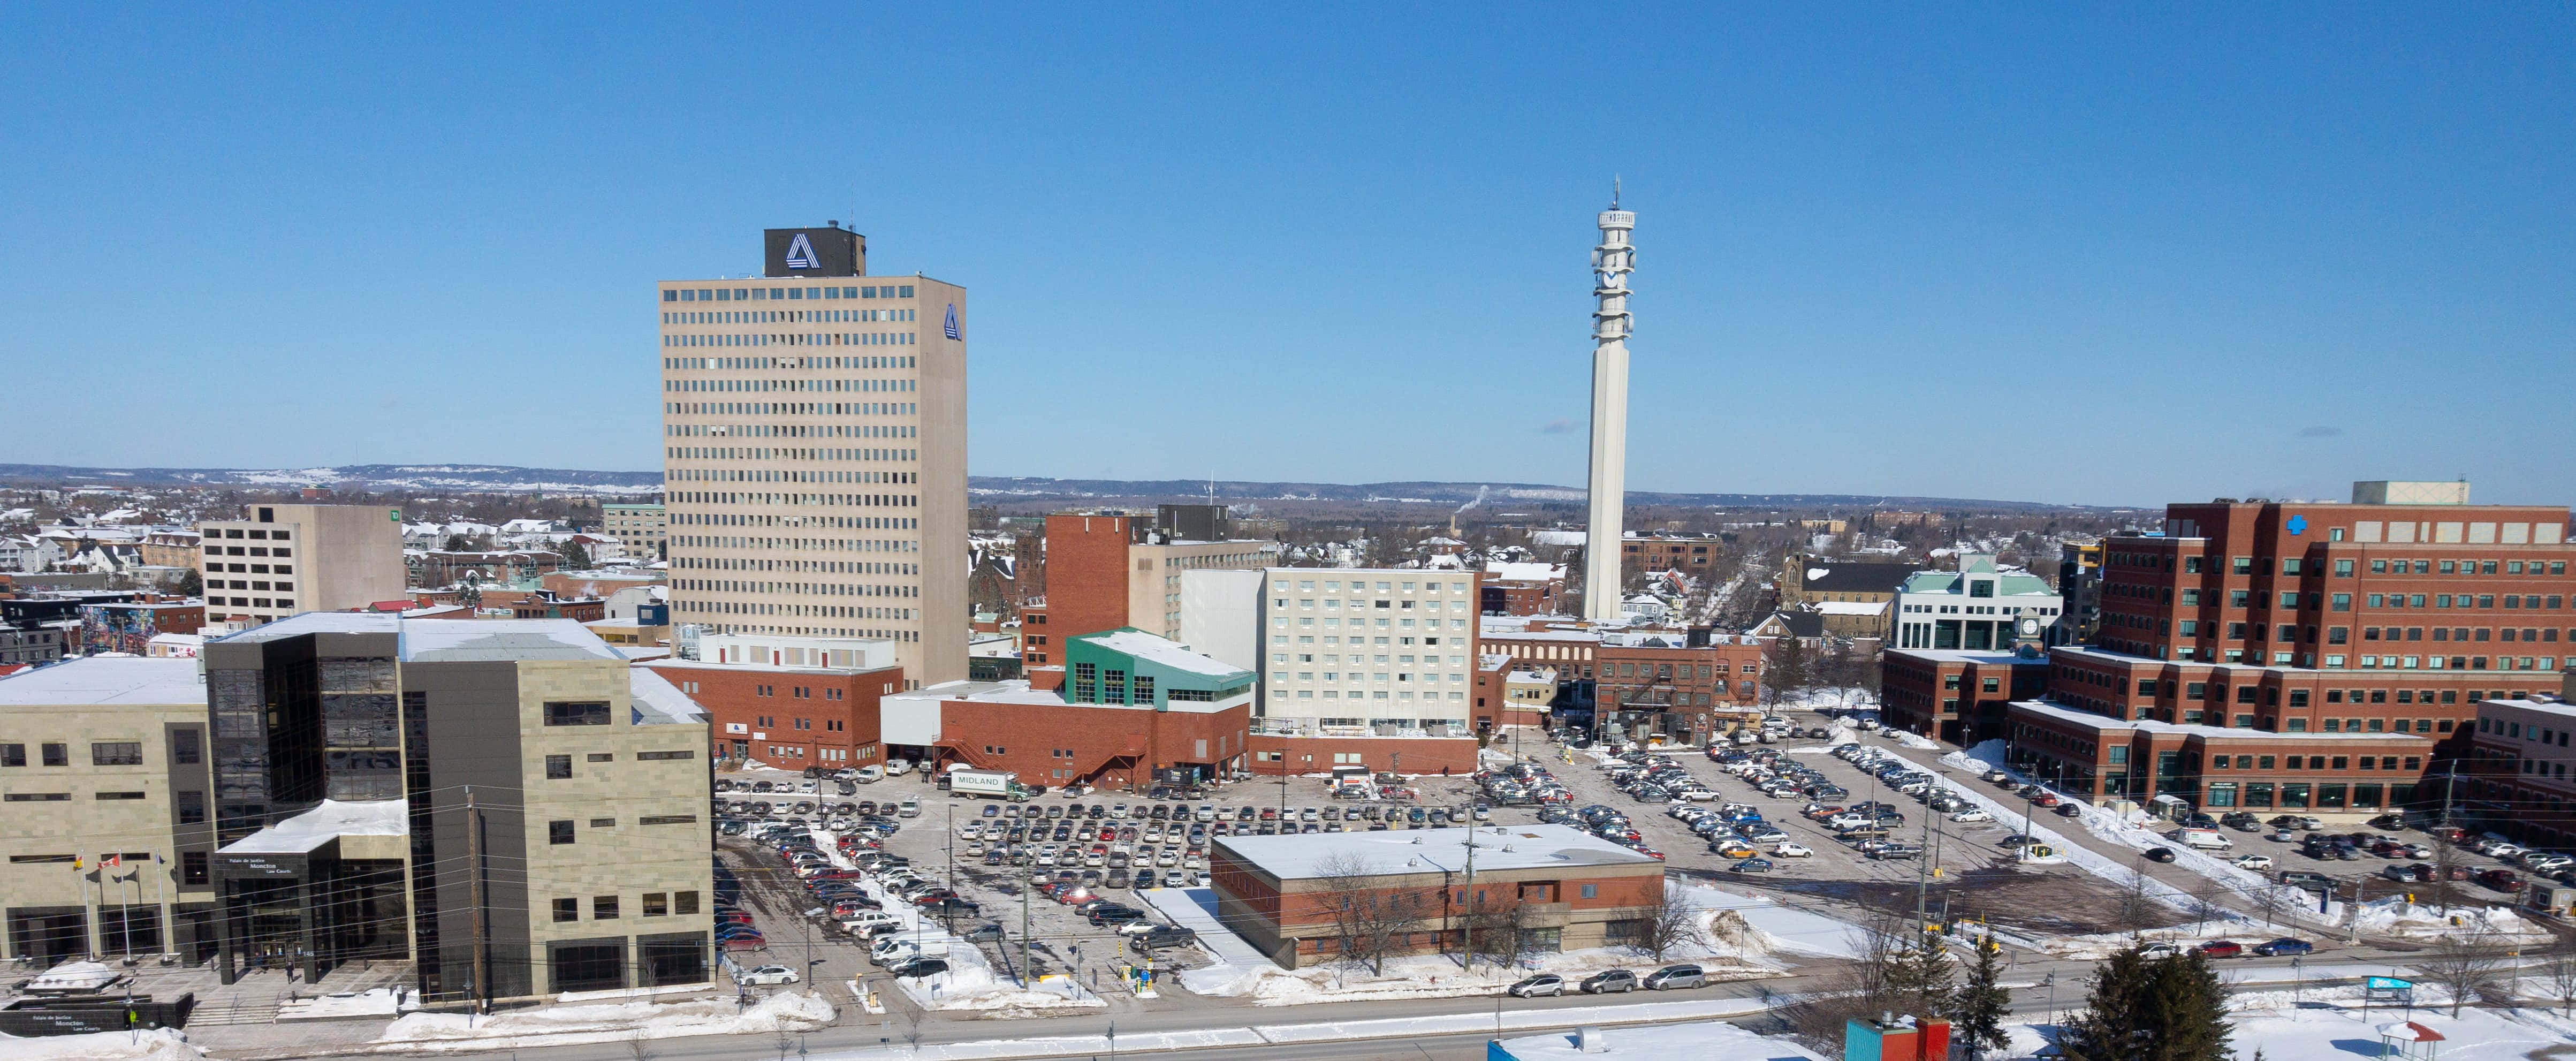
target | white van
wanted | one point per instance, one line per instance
(2204, 839)
(898, 767)
(896, 951)
(869, 775)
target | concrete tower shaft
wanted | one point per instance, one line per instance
(1612, 261)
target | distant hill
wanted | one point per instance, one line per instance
(985, 489)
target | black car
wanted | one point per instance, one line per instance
(2160, 854)
(1166, 936)
(919, 967)
(1113, 914)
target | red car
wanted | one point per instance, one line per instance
(2221, 948)
(2044, 799)
(2503, 880)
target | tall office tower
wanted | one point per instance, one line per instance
(814, 434)
(1611, 263)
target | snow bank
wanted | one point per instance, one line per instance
(1694, 1039)
(568, 1025)
(1913, 740)
(2394, 916)
(158, 1044)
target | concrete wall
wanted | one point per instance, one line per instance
(1221, 616)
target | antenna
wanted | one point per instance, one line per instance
(1614, 191)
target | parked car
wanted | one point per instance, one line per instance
(1754, 865)
(1610, 981)
(2159, 950)
(1791, 851)
(1544, 985)
(2221, 948)
(2503, 880)
(2284, 946)
(1671, 977)
(1162, 936)
(2253, 862)
(767, 974)
(918, 968)
(2160, 854)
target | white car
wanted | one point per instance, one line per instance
(2253, 862)
(767, 974)
(1790, 851)
(1972, 814)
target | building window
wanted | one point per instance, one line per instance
(1591, 891)
(193, 868)
(559, 832)
(603, 908)
(558, 767)
(577, 713)
(13, 755)
(58, 754)
(184, 747)
(684, 902)
(116, 753)
(567, 909)
(657, 904)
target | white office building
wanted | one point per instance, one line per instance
(1368, 651)
(1975, 607)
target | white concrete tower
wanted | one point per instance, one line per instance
(1611, 263)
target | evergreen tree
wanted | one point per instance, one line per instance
(2165, 1009)
(575, 556)
(1918, 976)
(1978, 1009)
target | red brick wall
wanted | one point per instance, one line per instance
(743, 696)
(1314, 755)
(1109, 746)
(1086, 574)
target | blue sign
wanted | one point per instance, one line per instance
(2298, 525)
(951, 327)
(2389, 983)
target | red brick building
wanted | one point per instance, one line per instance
(788, 717)
(1274, 753)
(1690, 554)
(1133, 709)
(2214, 769)
(1679, 682)
(1958, 696)
(1561, 888)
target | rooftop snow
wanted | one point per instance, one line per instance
(328, 821)
(657, 702)
(105, 681)
(1845, 607)
(1161, 650)
(436, 640)
(2105, 722)
(1306, 855)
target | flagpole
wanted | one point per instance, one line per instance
(161, 899)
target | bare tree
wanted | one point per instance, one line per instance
(2465, 963)
(1370, 921)
(2562, 980)
(1671, 924)
(2137, 909)
(1862, 988)
(2206, 899)
(639, 1046)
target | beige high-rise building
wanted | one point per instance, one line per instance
(278, 560)
(814, 431)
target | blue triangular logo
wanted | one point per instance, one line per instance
(951, 326)
(800, 254)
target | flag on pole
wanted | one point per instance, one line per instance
(111, 862)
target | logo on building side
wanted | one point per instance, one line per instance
(800, 254)
(951, 326)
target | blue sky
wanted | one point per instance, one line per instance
(2091, 254)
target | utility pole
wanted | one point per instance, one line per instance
(1467, 933)
(2450, 783)
(477, 984)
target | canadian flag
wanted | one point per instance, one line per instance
(111, 862)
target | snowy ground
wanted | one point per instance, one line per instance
(1688, 1039)
(2330, 1024)
(971, 982)
(161, 1044)
(621, 1022)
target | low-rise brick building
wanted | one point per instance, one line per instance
(2513, 778)
(1134, 709)
(1558, 888)
(1957, 696)
(2215, 769)
(790, 702)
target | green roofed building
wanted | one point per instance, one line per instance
(1978, 606)
(1130, 666)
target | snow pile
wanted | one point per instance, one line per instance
(567, 1025)
(158, 1044)
(2394, 916)
(970, 983)
(1913, 740)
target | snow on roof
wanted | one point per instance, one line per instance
(2101, 723)
(1693, 1039)
(657, 702)
(1965, 655)
(2559, 708)
(1846, 607)
(106, 681)
(434, 640)
(1524, 571)
(1306, 855)
(1162, 650)
(328, 821)
(1539, 676)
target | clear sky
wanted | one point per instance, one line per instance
(2094, 253)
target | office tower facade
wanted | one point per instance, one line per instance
(278, 560)
(1359, 651)
(814, 431)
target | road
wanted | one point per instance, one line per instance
(861, 1034)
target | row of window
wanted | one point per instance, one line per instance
(793, 339)
(1307, 585)
(782, 294)
(559, 767)
(561, 831)
(184, 750)
(807, 386)
(1335, 604)
(1381, 694)
(791, 316)
(605, 907)
(256, 550)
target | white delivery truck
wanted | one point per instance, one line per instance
(1000, 784)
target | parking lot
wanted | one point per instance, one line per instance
(1016, 870)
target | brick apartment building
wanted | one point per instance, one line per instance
(1679, 682)
(1652, 552)
(790, 702)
